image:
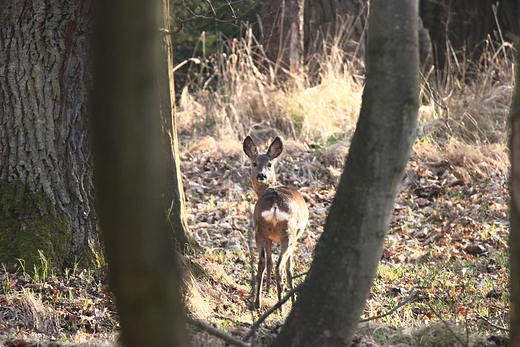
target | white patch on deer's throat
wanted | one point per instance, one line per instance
(274, 215)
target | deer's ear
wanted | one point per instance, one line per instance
(276, 148)
(250, 148)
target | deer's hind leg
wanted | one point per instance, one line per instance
(289, 273)
(283, 268)
(269, 259)
(260, 273)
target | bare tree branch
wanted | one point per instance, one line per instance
(447, 325)
(216, 332)
(212, 14)
(271, 310)
(491, 324)
(212, 9)
(233, 14)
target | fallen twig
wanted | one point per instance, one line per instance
(271, 310)
(447, 325)
(300, 275)
(491, 323)
(410, 298)
(216, 332)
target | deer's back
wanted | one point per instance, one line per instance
(281, 212)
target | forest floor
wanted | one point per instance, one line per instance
(445, 262)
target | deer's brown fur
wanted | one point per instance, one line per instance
(280, 216)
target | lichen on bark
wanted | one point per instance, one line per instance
(30, 223)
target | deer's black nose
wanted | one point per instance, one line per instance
(261, 177)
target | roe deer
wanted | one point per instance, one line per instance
(280, 216)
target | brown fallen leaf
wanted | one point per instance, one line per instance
(20, 343)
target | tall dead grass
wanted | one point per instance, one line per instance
(240, 94)
(470, 100)
(236, 92)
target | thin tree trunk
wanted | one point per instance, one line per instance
(174, 198)
(282, 33)
(514, 233)
(44, 143)
(331, 22)
(129, 173)
(333, 297)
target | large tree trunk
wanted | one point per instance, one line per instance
(129, 172)
(282, 33)
(339, 23)
(45, 171)
(333, 297)
(514, 234)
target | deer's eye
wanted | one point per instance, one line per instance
(255, 164)
(269, 165)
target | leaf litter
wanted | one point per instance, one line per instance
(448, 234)
(447, 240)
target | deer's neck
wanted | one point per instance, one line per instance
(260, 187)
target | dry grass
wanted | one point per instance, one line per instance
(470, 101)
(240, 97)
(236, 92)
(32, 313)
(71, 308)
(468, 160)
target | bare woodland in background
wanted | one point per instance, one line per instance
(443, 265)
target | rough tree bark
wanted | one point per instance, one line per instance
(46, 188)
(129, 173)
(333, 297)
(282, 33)
(514, 233)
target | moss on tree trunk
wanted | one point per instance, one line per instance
(30, 224)
(45, 138)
